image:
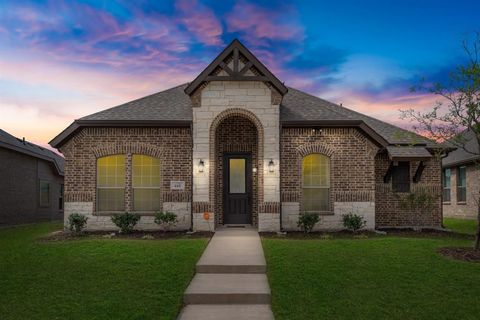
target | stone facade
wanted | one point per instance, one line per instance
(388, 212)
(468, 209)
(251, 100)
(171, 145)
(352, 174)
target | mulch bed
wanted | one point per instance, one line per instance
(463, 254)
(139, 235)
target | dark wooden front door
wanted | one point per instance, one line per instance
(237, 188)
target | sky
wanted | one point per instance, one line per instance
(62, 60)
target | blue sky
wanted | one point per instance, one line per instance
(60, 60)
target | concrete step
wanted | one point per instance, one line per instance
(226, 311)
(233, 251)
(208, 288)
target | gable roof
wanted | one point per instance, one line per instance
(460, 155)
(19, 145)
(235, 51)
(173, 107)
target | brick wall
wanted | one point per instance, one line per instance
(352, 178)
(235, 134)
(172, 145)
(387, 208)
(469, 208)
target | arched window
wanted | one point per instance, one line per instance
(111, 183)
(316, 183)
(146, 182)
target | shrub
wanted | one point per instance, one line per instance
(77, 222)
(353, 222)
(125, 221)
(308, 220)
(166, 219)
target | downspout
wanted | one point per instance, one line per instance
(191, 178)
(280, 172)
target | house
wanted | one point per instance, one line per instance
(238, 144)
(461, 179)
(31, 182)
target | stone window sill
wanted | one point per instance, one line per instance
(462, 203)
(447, 203)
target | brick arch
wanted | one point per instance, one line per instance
(226, 114)
(137, 148)
(321, 148)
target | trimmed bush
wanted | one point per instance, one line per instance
(308, 220)
(166, 220)
(77, 222)
(126, 221)
(353, 222)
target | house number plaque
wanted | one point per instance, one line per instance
(177, 185)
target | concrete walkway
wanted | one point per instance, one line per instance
(230, 282)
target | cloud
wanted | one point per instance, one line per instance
(260, 25)
(200, 21)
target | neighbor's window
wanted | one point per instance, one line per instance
(60, 197)
(316, 183)
(111, 183)
(146, 183)
(446, 184)
(462, 184)
(401, 177)
(44, 194)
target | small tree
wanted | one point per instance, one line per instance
(458, 112)
(308, 220)
(77, 222)
(126, 221)
(166, 220)
(353, 222)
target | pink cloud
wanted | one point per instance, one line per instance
(257, 23)
(200, 21)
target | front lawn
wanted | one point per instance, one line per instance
(467, 226)
(92, 278)
(376, 278)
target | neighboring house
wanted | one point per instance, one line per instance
(461, 180)
(31, 182)
(238, 144)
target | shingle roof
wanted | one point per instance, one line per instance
(171, 104)
(398, 153)
(461, 156)
(10, 142)
(297, 106)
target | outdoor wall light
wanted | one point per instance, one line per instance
(201, 165)
(254, 169)
(271, 166)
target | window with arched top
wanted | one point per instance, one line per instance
(146, 183)
(111, 183)
(316, 183)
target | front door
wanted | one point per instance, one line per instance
(237, 188)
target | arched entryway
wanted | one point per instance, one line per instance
(237, 175)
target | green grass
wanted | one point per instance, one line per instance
(92, 278)
(467, 226)
(376, 278)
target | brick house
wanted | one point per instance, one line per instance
(238, 144)
(461, 180)
(31, 182)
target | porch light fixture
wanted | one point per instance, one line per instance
(201, 165)
(254, 169)
(271, 166)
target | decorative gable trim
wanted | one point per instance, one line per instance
(228, 61)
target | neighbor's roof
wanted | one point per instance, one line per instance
(10, 142)
(461, 156)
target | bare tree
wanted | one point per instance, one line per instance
(458, 111)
